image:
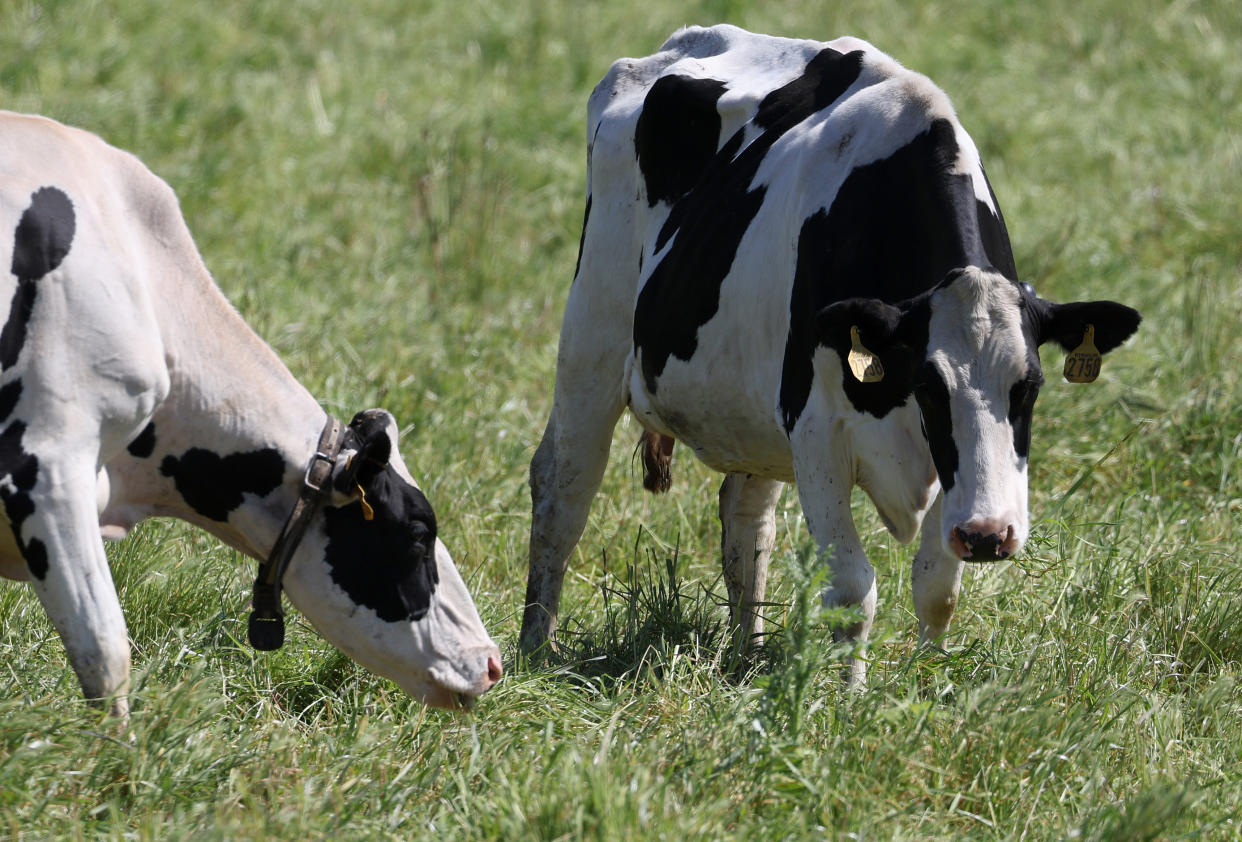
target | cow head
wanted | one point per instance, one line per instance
(968, 352)
(375, 580)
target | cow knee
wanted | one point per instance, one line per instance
(934, 611)
(937, 581)
(541, 468)
(853, 589)
(103, 672)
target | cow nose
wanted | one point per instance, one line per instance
(494, 670)
(977, 541)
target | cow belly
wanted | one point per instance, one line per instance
(728, 430)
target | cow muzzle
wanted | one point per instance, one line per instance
(981, 540)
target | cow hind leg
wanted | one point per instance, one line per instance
(59, 538)
(937, 578)
(747, 533)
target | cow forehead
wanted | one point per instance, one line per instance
(975, 331)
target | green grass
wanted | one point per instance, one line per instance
(391, 194)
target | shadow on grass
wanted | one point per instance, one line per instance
(650, 616)
(653, 617)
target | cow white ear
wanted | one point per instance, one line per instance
(1066, 324)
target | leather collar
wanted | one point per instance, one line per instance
(267, 617)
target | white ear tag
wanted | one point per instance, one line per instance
(1083, 363)
(865, 365)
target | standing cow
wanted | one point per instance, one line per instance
(129, 387)
(793, 262)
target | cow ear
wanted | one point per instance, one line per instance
(875, 322)
(367, 450)
(1066, 324)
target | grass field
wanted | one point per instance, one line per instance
(391, 194)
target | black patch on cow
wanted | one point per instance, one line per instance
(677, 134)
(35, 553)
(683, 292)
(10, 394)
(214, 486)
(143, 444)
(43, 237)
(586, 217)
(1023, 393)
(1022, 409)
(899, 337)
(933, 397)
(994, 234)
(387, 564)
(893, 232)
(19, 471)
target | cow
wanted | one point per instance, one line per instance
(793, 262)
(129, 387)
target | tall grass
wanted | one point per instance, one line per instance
(391, 194)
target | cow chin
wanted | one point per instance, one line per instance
(434, 695)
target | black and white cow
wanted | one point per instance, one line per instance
(129, 387)
(756, 208)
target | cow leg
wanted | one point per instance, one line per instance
(569, 463)
(59, 538)
(564, 476)
(824, 485)
(747, 533)
(937, 579)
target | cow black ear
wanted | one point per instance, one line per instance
(877, 324)
(1066, 324)
(371, 449)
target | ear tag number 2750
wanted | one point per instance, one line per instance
(1083, 363)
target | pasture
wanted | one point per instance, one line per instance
(391, 195)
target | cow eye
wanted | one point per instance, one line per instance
(1022, 396)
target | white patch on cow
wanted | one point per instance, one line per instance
(976, 344)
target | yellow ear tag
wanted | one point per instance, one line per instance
(866, 366)
(1083, 363)
(367, 512)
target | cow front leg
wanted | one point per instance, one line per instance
(55, 525)
(565, 473)
(824, 489)
(937, 578)
(747, 533)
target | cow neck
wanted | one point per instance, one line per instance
(229, 389)
(267, 619)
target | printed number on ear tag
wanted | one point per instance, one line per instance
(865, 365)
(1083, 363)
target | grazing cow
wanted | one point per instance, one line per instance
(129, 387)
(793, 262)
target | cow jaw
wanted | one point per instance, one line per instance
(445, 659)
